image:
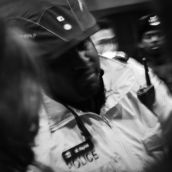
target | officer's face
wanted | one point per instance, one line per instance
(152, 41)
(75, 76)
(105, 41)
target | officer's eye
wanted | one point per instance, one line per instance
(147, 36)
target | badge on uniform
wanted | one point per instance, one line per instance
(83, 153)
(78, 151)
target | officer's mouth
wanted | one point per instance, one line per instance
(155, 47)
(91, 76)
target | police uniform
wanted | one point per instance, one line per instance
(126, 135)
(163, 100)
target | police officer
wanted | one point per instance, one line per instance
(151, 38)
(151, 46)
(93, 120)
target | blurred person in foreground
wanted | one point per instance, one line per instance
(94, 120)
(20, 101)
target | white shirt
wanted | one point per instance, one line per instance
(126, 135)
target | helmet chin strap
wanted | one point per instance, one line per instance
(79, 123)
(78, 120)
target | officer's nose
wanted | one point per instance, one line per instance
(154, 39)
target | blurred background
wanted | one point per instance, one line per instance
(125, 15)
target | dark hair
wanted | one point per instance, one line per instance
(19, 100)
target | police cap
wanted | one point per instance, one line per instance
(56, 25)
(148, 22)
